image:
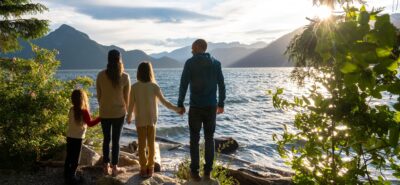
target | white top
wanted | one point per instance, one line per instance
(143, 103)
(75, 130)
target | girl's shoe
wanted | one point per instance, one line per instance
(150, 171)
(143, 173)
(117, 170)
(106, 169)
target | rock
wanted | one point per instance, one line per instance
(169, 146)
(244, 177)
(88, 156)
(131, 147)
(202, 182)
(127, 161)
(226, 145)
(133, 178)
(157, 160)
(126, 151)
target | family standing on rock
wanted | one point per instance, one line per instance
(117, 98)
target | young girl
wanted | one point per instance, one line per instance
(143, 103)
(79, 119)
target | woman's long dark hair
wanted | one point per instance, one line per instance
(145, 72)
(115, 68)
(79, 101)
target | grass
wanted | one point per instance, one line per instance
(219, 173)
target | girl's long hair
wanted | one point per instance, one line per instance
(115, 67)
(145, 72)
(80, 102)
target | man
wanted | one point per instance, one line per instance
(204, 74)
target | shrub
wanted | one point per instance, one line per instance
(34, 108)
(220, 173)
(340, 136)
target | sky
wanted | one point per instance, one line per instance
(164, 25)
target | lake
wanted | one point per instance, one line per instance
(249, 115)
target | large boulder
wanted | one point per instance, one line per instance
(131, 151)
(89, 157)
(131, 177)
(226, 145)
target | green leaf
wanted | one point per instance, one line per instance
(384, 52)
(348, 68)
(363, 18)
(397, 117)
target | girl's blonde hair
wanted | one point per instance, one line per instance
(80, 102)
(145, 72)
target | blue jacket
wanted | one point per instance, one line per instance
(204, 74)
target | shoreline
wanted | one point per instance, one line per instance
(51, 172)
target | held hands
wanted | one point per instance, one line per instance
(181, 110)
(129, 119)
(220, 110)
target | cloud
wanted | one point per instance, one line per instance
(169, 42)
(176, 42)
(263, 32)
(162, 15)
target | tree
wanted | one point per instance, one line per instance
(14, 26)
(351, 59)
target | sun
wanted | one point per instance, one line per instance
(322, 12)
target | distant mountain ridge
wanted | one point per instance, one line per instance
(227, 53)
(78, 51)
(271, 55)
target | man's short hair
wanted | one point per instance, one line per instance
(201, 43)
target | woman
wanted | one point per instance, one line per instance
(113, 86)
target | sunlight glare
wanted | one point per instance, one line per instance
(322, 12)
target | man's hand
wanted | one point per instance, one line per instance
(182, 110)
(220, 110)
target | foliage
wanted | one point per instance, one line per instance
(220, 173)
(13, 26)
(351, 60)
(34, 108)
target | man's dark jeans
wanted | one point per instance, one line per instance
(113, 125)
(205, 116)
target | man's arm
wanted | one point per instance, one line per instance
(185, 79)
(221, 87)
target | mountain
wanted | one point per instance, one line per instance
(395, 19)
(269, 56)
(78, 51)
(227, 53)
(272, 55)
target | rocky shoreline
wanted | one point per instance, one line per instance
(51, 172)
